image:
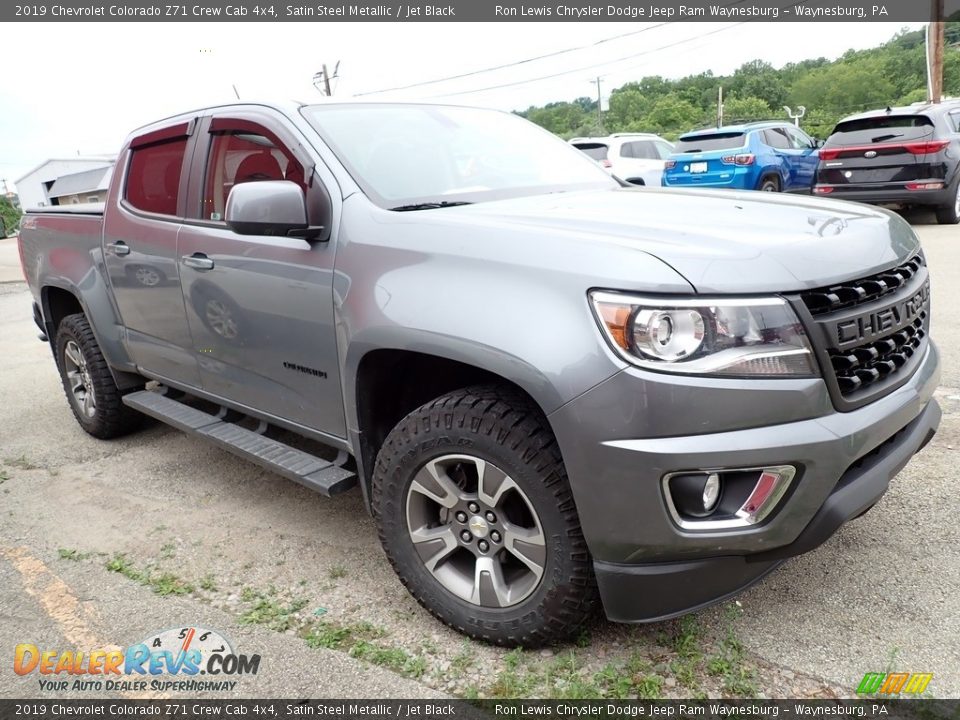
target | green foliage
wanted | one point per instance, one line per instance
(893, 73)
(9, 217)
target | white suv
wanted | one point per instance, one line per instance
(635, 157)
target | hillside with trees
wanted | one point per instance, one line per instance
(892, 74)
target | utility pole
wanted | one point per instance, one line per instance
(935, 52)
(324, 76)
(599, 107)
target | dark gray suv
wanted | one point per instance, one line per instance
(904, 156)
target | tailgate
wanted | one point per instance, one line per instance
(702, 169)
(880, 150)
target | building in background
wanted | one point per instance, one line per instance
(84, 179)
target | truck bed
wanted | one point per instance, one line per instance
(61, 244)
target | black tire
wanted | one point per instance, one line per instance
(950, 214)
(769, 184)
(108, 417)
(504, 429)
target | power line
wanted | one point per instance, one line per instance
(516, 62)
(594, 65)
(540, 57)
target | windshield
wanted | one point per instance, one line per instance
(407, 154)
(714, 141)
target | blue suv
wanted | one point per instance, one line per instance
(770, 156)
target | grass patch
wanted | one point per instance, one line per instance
(72, 554)
(337, 572)
(161, 583)
(728, 662)
(273, 614)
(208, 583)
(169, 584)
(4, 476)
(334, 636)
(393, 658)
(168, 550)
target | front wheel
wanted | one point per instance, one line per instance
(91, 390)
(476, 516)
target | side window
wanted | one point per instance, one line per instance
(777, 138)
(955, 121)
(799, 140)
(663, 149)
(641, 149)
(153, 178)
(239, 157)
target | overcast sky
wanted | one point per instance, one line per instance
(72, 87)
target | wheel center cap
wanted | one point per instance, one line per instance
(478, 526)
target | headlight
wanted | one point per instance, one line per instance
(706, 336)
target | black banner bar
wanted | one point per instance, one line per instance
(474, 11)
(184, 709)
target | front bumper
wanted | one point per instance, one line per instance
(647, 567)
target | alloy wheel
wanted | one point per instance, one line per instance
(78, 377)
(475, 531)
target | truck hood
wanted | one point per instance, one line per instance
(721, 241)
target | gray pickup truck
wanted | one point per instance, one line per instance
(552, 390)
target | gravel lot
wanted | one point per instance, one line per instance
(102, 543)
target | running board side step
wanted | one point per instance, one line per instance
(320, 475)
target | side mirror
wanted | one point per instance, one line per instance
(269, 207)
(818, 143)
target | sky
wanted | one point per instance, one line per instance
(79, 88)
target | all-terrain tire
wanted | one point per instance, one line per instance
(108, 417)
(504, 429)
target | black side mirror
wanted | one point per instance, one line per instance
(269, 207)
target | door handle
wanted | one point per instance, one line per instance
(119, 248)
(198, 261)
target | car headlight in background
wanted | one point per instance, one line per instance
(706, 336)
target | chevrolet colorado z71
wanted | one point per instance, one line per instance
(552, 390)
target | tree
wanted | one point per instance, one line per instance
(9, 216)
(671, 114)
(736, 110)
(627, 105)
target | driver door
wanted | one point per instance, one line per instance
(260, 308)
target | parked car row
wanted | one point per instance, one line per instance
(905, 156)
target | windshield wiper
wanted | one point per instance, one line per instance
(881, 138)
(430, 205)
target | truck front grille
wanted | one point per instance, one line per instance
(870, 334)
(867, 364)
(858, 292)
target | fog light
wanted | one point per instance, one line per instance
(695, 495)
(711, 492)
(727, 499)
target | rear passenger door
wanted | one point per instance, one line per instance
(260, 308)
(143, 217)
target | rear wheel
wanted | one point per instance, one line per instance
(91, 390)
(950, 214)
(476, 516)
(770, 184)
